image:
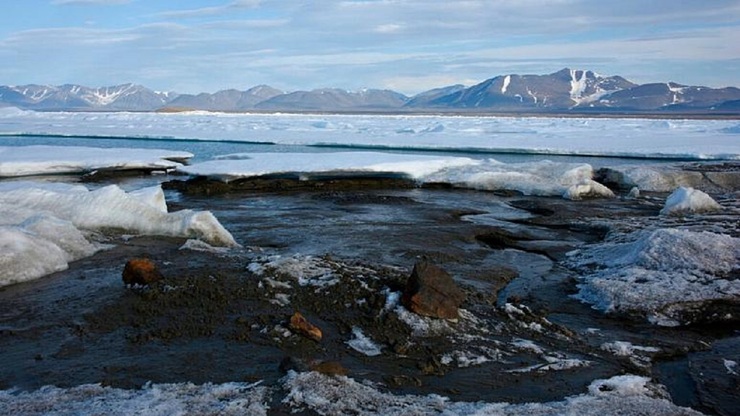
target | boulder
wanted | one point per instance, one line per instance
(431, 291)
(141, 271)
(299, 324)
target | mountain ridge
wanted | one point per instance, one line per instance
(567, 90)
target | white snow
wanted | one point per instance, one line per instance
(362, 344)
(236, 398)
(507, 81)
(700, 139)
(44, 226)
(625, 349)
(689, 200)
(553, 363)
(730, 366)
(577, 85)
(627, 394)
(306, 270)
(327, 395)
(659, 273)
(37, 160)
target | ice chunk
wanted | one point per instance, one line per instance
(111, 207)
(153, 195)
(588, 189)
(24, 256)
(689, 200)
(44, 226)
(668, 275)
(361, 343)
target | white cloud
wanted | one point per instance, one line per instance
(389, 28)
(89, 2)
(213, 10)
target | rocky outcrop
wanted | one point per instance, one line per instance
(431, 291)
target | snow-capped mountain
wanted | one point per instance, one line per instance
(76, 97)
(669, 96)
(574, 90)
(564, 91)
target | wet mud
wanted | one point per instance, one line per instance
(224, 316)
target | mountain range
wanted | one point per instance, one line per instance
(565, 91)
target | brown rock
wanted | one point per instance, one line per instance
(141, 271)
(300, 324)
(430, 291)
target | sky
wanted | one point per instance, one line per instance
(409, 46)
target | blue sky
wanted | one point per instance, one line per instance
(410, 46)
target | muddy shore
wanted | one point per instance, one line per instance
(223, 316)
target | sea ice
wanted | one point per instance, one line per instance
(44, 160)
(698, 139)
(45, 226)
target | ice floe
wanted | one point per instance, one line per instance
(45, 160)
(44, 226)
